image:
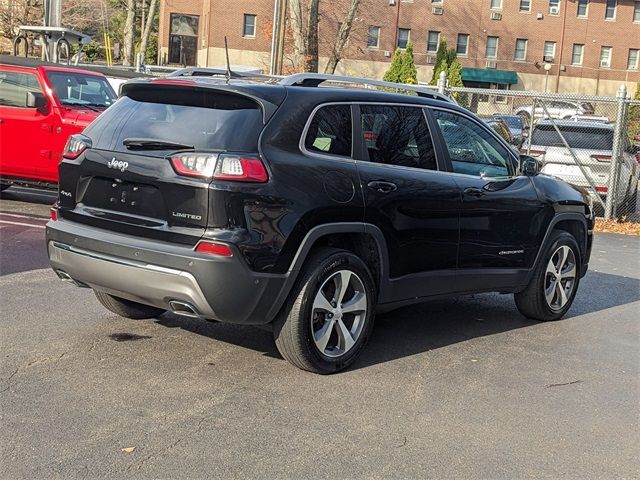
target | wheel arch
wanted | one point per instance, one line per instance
(363, 239)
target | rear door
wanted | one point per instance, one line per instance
(25, 132)
(128, 183)
(501, 220)
(415, 204)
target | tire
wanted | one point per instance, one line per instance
(127, 308)
(3, 187)
(298, 331)
(533, 302)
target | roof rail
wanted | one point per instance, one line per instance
(315, 79)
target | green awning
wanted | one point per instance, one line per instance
(489, 75)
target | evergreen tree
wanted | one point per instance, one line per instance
(451, 56)
(409, 73)
(395, 69)
(633, 119)
(455, 80)
(441, 56)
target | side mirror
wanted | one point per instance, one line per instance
(529, 166)
(37, 100)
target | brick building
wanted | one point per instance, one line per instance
(591, 46)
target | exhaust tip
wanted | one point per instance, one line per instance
(65, 277)
(183, 308)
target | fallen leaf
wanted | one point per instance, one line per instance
(128, 449)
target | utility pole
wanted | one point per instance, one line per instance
(397, 27)
(278, 36)
(52, 18)
(565, 6)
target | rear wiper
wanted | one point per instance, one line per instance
(153, 144)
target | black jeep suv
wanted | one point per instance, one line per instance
(308, 209)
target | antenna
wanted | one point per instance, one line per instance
(226, 51)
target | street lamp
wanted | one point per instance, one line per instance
(547, 67)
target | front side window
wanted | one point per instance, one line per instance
(632, 59)
(403, 37)
(330, 131)
(433, 40)
(398, 136)
(605, 57)
(610, 11)
(583, 7)
(462, 45)
(492, 47)
(183, 39)
(521, 49)
(373, 37)
(577, 54)
(81, 89)
(525, 5)
(549, 51)
(249, 26)
(14, 87)
(472, 149)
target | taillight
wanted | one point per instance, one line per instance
(54, 213)
(535, 153)
(75, 146)
(602, 189)
(601, 158)
(236, 168)
(213, 248)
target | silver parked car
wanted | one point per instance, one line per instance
(556, 108)
(592, 144)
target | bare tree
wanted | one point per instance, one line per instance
(19, 12)
(297, 15)
(147, 28)
(311, 57)
(341, 39)
(129, 31)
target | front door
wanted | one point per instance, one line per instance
(25, 132)
(414, 203)
(501, 216)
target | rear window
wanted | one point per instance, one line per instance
(576, 137)
(206, 120)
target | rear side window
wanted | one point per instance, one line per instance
(330, 131)
(14, 87)
(577, 137)
(397, 136)
(205, 120)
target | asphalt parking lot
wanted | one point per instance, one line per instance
(462, 388)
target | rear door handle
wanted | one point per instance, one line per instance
(382, 186)
(473, 192)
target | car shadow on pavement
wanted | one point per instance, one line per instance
(435, 324)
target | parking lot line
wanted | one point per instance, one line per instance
(6, 222)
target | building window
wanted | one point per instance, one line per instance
(183, 39)
(373, 38)
(632, 59)
(521, 49)
(492, 47)
(462, 46)
(605, 57)
(636, 12)
(583, 8)
(403, 37)
(496, 4)
(610, 11)
(577, 54)
(554, 7)
(249, 26)
(549, 51)
(433, 40)
(525, 5)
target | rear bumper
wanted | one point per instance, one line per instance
(169, 276)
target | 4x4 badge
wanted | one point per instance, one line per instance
(118, 164)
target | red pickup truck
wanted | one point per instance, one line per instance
(41, 105)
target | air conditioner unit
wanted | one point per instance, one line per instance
(496, 16)
(387, 53)
(431, 59)
(392, 2)
(563, 68)
(540, 16)
(437, 10)
(604, 63)
(547, 59)
(492, 64)
(554, 10)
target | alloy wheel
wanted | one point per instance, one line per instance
(560, 278)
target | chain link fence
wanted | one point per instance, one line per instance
(590, 141)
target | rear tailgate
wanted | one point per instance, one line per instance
(136, 189)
